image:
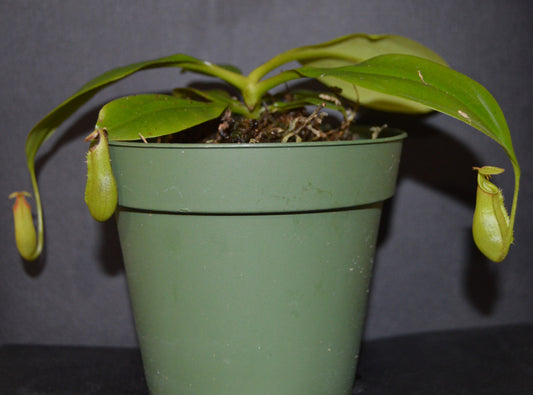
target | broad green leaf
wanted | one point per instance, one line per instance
(359, 47)
(47, 126)
(131, 117)
(430, 84)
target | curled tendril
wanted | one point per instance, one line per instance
(491, 228)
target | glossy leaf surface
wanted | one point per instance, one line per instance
(131, 117)
(430, 84)
(49, 124)
(356, 48)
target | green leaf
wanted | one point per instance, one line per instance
(355, 48)
(47, 126)
(130, 117)
(430, 84)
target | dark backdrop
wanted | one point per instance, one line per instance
(428, 275)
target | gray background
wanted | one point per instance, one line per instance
(428, 276)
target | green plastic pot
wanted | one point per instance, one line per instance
(249, 265)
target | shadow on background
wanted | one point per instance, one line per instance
(35, 268)
(110, 253)
(480, 279)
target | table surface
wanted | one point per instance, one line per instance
(496, 361)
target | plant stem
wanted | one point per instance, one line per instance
(516, 169)
(39, 209)
(237, 80)
(297, 54)
(255, 91)
(251, 87)
(256, 88)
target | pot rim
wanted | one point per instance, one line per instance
(388, 135)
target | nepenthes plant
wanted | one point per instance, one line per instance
(383, 72)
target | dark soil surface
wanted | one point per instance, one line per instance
(293, 126)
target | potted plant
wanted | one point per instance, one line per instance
(247, 222)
